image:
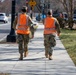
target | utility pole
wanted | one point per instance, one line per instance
(43, 12)
(27, 3)
(12, 37)
(32, 3)
(31, 12)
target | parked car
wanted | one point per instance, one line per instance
(74, 17)
(66, 16)
(3, 17)
(56, 15)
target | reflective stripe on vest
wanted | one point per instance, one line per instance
(22, 28)
(49, 25)
(22, 25)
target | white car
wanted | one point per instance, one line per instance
(3, 17)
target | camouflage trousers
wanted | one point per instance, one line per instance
(49, 42)
(22, 41)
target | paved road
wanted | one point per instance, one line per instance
(5, 29)
(36, 63)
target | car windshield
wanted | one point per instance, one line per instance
(1, 15)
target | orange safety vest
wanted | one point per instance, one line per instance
(22, 25)
(49, 25)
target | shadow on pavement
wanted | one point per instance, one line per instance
(24, 59)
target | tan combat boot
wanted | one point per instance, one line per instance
(50, 57)
(25, 53)
(46, 54)
(21, 56)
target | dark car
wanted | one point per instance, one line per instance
(56, 15)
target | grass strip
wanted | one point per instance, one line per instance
(68, 38)
(4, 74)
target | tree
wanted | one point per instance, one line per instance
(5, 6)
(69, 8)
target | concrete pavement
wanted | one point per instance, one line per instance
(36, 63)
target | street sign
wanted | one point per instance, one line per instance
(32, 3)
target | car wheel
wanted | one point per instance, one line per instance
(5, 21)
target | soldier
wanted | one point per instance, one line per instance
(51, 27)
(61, 20)
(22, 25)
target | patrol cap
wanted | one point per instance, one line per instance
(24, 9)
(49, 12)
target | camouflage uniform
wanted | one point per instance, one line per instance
(22, 39)
(49, 40)
(23, 42)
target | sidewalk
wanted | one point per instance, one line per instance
(36, 63)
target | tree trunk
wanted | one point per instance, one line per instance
(70, 17)
(69, 7)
